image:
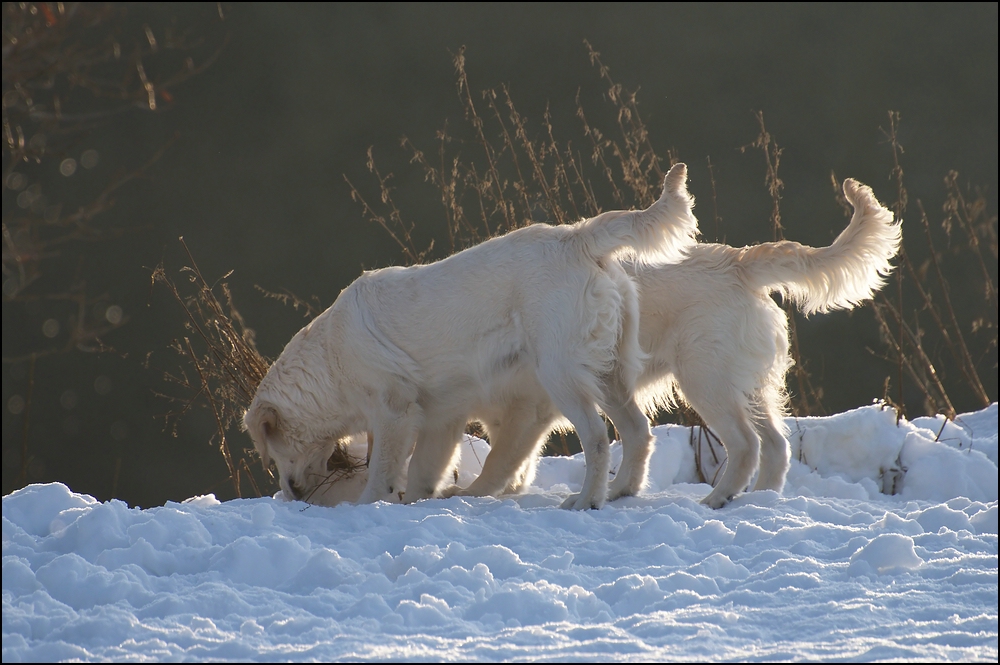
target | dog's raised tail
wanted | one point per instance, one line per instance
(663, 230)
(839, 276)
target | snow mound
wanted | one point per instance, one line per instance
(833, 568)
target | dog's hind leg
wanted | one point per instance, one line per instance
(569, 394)
(435, 452)
(515, 438)
(637, 444)
(775, 453)
(734, 428)
(619, 398)
(593, 435)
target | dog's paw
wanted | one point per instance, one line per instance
(716, 501)
(617, 493)
(621, 487)
(374, 497)
(581, 502)
(453, 490)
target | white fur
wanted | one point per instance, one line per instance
(714, 338)
(522, 328)
(717, 340)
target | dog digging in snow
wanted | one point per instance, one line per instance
(411, 355)
(712, 336)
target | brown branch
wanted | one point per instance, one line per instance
(956, 206)
(914, 338)
(465, 96)
(899, 208)
(960, 350)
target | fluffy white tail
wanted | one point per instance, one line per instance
(840, 276)
(662, 230)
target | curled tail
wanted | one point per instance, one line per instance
(662, 230)
(840, 276)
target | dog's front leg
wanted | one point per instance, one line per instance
(392, 439)
(516, 435)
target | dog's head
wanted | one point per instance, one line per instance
(310, 468)
(270, 435)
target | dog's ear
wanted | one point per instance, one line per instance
(262, 421)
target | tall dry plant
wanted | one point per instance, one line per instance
(806, 401)
(493, 175)
(219, 369)
(219, 364)
(929, 342)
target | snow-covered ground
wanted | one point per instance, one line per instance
(835, 568)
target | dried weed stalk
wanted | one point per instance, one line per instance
(808, 399)
(221, 366)
(936, 356)
(498, 172)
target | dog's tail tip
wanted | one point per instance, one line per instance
(858, 193)
(676, 178)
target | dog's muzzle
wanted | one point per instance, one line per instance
(294, 490)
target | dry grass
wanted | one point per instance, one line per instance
(928, 343)
(492, 176)
(806, 400)
(220, 366)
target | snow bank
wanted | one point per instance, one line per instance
(834, 568)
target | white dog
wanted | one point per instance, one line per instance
(713, 337)
(540, 322)
(719, 342)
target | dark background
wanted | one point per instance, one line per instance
(255, 182)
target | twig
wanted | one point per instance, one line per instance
(899, 208)
(958, 347)
(223, 444)
(903, 359)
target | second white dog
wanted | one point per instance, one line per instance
(715, 339)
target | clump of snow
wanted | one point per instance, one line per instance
(835, 567)
(887, 553)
